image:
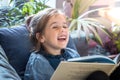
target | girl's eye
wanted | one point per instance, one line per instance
(65, 26)
(55, 27)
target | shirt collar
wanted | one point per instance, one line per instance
(46, 54)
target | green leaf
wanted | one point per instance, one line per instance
(73, 25)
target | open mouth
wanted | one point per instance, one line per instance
(62, 38)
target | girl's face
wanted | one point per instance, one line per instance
(56, 34)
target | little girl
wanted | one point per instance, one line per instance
(49, 34)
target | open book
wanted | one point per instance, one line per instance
(80, 68)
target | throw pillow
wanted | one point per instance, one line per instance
(16, 44)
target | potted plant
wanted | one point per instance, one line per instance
(82, 26)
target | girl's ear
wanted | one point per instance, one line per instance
(40, 37)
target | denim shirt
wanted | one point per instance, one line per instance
(39, 67)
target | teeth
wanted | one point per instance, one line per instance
(62, 37)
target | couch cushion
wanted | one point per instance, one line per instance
(16, 44)
(7, 72)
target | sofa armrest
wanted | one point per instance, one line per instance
(7, 72)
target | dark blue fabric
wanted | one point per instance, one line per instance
(54, 60)
(15, 42)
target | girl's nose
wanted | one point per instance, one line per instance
(63, 29)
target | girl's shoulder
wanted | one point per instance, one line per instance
(37, 57)
(72, 52)
(37, 67)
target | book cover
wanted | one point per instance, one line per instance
(94, 58)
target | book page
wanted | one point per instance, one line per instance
(78, 70)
